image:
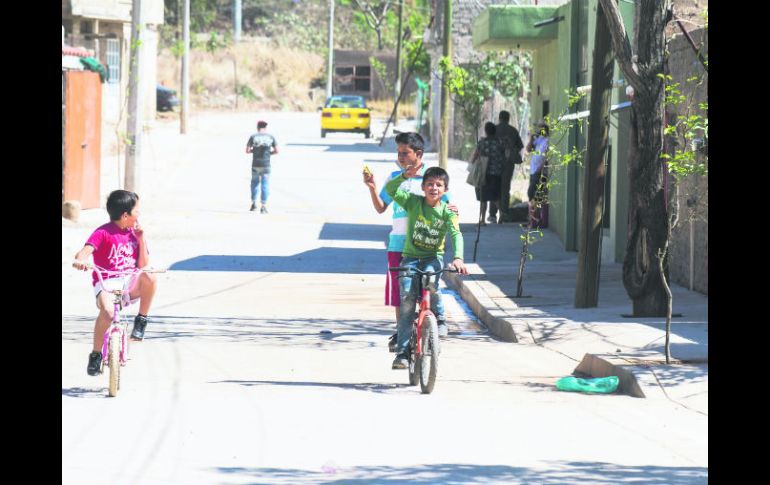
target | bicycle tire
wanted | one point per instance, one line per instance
(429, 358)
(414, 363)
(113, 359)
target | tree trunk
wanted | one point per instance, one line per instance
(589, 258)
(647, 218)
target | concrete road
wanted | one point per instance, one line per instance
(240, 381)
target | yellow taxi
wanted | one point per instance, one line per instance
(345, 113)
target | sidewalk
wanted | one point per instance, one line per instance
(602, 341)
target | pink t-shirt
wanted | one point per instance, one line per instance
(115, 249)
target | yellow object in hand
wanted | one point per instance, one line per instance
(367, 171)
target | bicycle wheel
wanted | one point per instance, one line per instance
(430, 349)
(113, 359)
(414, 363)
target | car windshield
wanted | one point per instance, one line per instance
(346, 102)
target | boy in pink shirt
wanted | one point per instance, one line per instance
(116, 246)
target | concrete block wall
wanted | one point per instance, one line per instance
(684, 63)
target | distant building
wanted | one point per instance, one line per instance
(104, 28)
(354, 74)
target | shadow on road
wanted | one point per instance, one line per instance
(320, 333)
(82, 392)
(355, 232)
(360, 386)
(358, 147)
(319, 260)
(552, 473)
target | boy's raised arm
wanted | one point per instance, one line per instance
(391, 188)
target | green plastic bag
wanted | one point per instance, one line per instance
(604, 385)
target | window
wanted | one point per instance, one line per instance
(352, 79)
(113, 60)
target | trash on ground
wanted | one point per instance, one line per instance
(604, 385)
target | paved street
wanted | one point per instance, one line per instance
(266, 357)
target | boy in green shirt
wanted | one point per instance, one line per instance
(429, 220)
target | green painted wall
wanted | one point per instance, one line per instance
(556, 67)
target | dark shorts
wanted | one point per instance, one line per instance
(534, 180)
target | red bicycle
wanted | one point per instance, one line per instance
(424, 346)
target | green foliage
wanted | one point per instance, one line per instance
(382, 71)
(689, 131)
(413, 53)
(471, 86)
(215, 42)
(292, 29)
(245, 91)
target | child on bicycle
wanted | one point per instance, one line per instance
(429, 220)
(410, 150)
(116, 246)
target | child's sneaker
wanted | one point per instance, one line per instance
(253, 207)
(140, 322)
(263, 210)
(392, 342)
(400, 362)
(94, 363)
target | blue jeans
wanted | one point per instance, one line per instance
(260, 175)
(409, 297)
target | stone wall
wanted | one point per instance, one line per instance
(683, 63)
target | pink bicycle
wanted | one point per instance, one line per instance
(115, 344)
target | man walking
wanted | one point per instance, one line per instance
(513, 145)
(261, 145)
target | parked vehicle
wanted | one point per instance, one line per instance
(346, 113)
(165, 98)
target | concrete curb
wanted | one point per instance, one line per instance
(635, 381)
(480, 303)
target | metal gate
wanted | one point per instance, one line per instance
(81, 131)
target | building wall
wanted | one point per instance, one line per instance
(684, 63)
(83, 18)
(349, 58)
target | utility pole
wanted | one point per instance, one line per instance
(185, 69)
(135, 100)
(443, 153)
(331, 50)
(589, 257)
(236, 20)
(397, 86)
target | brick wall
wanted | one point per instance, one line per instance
(684, 63)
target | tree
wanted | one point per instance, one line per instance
(471, 87)
(648, 225)
(688, 130)
(556, 161)
(375, 14)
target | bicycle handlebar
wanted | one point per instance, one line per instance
(111, 273)
(421, 272)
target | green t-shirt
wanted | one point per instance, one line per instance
(427, 226)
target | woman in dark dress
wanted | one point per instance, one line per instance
(489, 194)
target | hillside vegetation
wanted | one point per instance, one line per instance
(281, 61)
(264, 77)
